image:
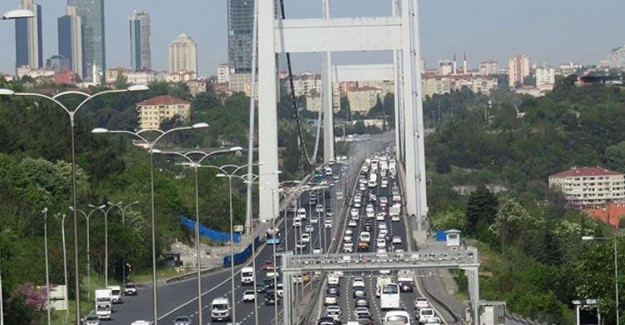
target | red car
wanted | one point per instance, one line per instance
(268, 266)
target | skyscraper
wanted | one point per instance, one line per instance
(28, 38)
(140, 52)
(91, 13)
(70, 39)
(518, 69)
(183, 54)
(240, 23)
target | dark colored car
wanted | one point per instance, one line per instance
(367, 227)
(270, 299)
(333, 289)
(406, 287)
(267, 284)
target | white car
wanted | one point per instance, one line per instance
(349, 232)
(305, 237)
(380, 216)
(354, 213)
(91, 320)
(361, 311)
(358, 282)
(421, 302)
(348, 248)
(365, 236)
(314, 219)
(309, 228)
(319, 208)
(396, 240)
(330, 299)
(380, 243)
(370, 213)
(382, 226)
(249, 296)
(317, 250)
(352, 223)
(334, 311)
(301, 213)
(347, 239)
(334, 278)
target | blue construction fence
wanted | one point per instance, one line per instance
(243, 255)
(209, 232)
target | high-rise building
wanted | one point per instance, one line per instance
(91, 13)
(183, 54)
(518, 69)
(240, 23)
(28, 38)
(140, 52)
(70, 39)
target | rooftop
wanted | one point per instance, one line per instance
(163, 100)
(585, 172)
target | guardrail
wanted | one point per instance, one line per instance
(209, 232)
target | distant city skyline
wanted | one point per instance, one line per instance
(547, 32)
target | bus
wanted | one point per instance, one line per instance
(273, 236)
(389, 300)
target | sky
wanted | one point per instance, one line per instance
(548, 31)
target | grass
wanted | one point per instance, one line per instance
(161, 273)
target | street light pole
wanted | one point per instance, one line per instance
(45, 247)
(195, 164)
(151, 150)
(71, 113)
(106, 237)
(64, 265)
(616, 287)
(124, 223)
(88, 217)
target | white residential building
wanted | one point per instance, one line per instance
(545, 77)
(183, 54)
(589, 186)
(518, 69)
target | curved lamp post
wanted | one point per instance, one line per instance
(616, 293)
(106, 237)
(88, 218)
(195, 164)
(224, 173)
(71, 113)
(123, 209)
(151, 150)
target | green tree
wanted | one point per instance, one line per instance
(615, 157)
(512, 222)
(452, 218)
(481, 210)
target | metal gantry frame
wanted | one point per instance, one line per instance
(398, 33)
(425, 259)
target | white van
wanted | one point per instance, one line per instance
(328, 171)
(247, 276)
(220, 310)
(116, 294)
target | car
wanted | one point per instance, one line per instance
(380, 216)
(265, 285)
(317, 250)
(365, 236)
(359, 292)
(421, 302)
(300, 245)
(352, 223)
(182, 320)
(380, 243)
(301, 213)
(309, 228)
(361, 302)
(361, 311)
(433, 321)
(268, 265)
(142, 322)
(249, 296)
(396, 240)
(348, 247)
(347, 239)
(270, 299)
(330, 299)
(91, 320)
(334, 278)
(306, 237)
(130, 289)
(297, 223)
(348, 232)
(314, 219)
(423, 314)
(367, 227)
(319, 208)
(333, 289)
(358, 282)
(382, 226)
(334, 311)
(354, 213)
(327, 320)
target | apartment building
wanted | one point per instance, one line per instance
(589, 186)
(152, 112)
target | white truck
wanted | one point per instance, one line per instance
(394, 212)
(220, 310)
(116, 294)
(247, 276)
(103, 303)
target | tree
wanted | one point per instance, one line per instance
(615, 157)
(452, 218)
(512, 221)
(481, 209)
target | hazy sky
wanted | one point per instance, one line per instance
(549, 31)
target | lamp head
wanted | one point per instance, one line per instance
(200, 125)
(588, 237)
(99, 130)
(6, 92)
(137, 88)
(19, 13)
(221, 175)
(236, 149)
